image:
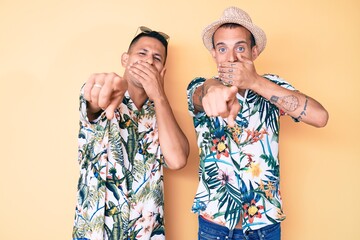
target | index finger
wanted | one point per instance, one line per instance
(235, 108)
(119, 87)
(107, 90)
(145, 66)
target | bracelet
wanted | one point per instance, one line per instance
(303, 113)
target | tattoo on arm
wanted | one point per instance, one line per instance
(287, 103)
(303, 113)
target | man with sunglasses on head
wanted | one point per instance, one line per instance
(128, 133)
(236, 118)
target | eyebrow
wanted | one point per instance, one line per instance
(222, 43)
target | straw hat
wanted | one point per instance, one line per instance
(234, 15)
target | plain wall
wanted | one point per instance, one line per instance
(49, 48)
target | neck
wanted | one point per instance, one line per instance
(137, 95)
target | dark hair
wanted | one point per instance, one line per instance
(152, 34)
(234, 25)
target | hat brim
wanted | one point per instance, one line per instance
(258, 33)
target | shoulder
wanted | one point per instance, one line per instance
(196, 81)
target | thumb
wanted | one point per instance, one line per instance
(232, 93)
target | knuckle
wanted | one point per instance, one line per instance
(99, 77)
(112, 75)
(93, 76)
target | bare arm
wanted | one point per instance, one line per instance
(173, 142)
(295, 104)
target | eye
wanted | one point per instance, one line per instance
(142, 53)
(222, 49)
(240, 49)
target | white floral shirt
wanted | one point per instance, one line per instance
(120, 189)
(239, 166)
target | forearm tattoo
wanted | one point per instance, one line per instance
(303, 112)
(287, 103)
(290, 104)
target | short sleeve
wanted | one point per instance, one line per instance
(279, 81)
(193, 85)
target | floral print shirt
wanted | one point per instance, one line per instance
(239, 166)
(120, 189)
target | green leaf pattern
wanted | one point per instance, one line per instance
(120, 188)
(239, 167)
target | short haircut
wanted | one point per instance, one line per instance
(152, 34)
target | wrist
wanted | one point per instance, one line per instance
(161, 101)
(257, 83)
(211, 83)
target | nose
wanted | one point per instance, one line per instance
(232, 57)
(150, 60)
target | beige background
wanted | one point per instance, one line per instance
(49, 48)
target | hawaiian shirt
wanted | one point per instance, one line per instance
(239, 166)
(120, 189)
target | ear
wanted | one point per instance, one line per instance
(254, 52)
(124, 59)
(213, 54)
(162, 75)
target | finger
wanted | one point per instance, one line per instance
(96, 88)
(233, 106)
(119, 86)
(214, 107)
(88, 86)
(227, 65)
(228, 78)
(139, 72)
(231, 94)
(114, 104)
(230, 100)
(147, 67)
(229, 70)
(246, 60)
(107, 90)
(143, 69)
(206, 107)
(231, 121)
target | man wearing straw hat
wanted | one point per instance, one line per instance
(128, 134)
(236, 118)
